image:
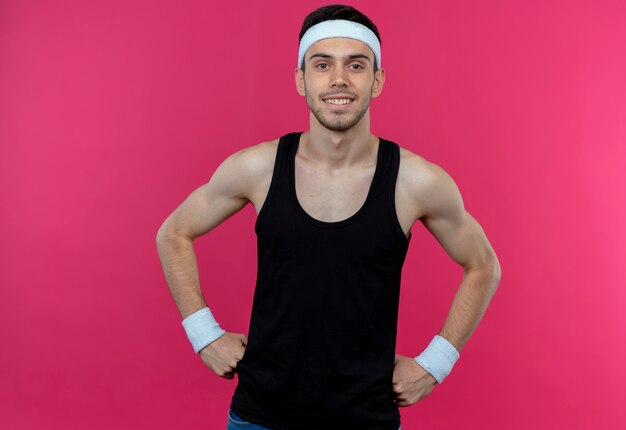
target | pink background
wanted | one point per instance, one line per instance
(111, 113)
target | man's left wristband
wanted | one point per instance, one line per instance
(438, 358)
(202, 329)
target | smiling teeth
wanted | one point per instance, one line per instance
(338, 101)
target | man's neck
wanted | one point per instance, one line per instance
(339, 150)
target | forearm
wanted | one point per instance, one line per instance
(470, 304)
(180, 267)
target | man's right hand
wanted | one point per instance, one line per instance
(223, 354)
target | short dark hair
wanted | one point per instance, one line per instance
(337, 11)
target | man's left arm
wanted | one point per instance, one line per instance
(442, 212)
(464, 240)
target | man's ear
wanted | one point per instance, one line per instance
(379, 81)
(299, 75)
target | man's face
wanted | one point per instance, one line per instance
(339, 81)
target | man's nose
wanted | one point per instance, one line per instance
(339, 77)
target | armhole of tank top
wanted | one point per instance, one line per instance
(393, 213)
(273, 185)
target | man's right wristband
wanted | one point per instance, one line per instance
(202, 329)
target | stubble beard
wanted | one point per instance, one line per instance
(337, 121)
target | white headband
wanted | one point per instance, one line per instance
(339, 28)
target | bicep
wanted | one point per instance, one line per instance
(458, 232)
(212, 203)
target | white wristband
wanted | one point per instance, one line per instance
(202, 329)
(438, 358)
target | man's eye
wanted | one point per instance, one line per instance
(321, 64)
(357, 66)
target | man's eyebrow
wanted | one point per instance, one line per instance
(349, 56)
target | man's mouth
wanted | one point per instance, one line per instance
(338, 101)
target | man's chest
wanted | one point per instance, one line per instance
(332, 197)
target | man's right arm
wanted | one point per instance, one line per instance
(226, 193)
(205, 208)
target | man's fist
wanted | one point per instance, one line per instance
(411, 382)
(223, 354)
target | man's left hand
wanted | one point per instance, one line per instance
(411, 382)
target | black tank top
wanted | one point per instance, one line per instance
(322, 335)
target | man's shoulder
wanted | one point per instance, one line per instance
(415, 167)
(261, 149)
(409, 157)
(418, 176)
(258, 158)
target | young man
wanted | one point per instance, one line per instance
(335, 208)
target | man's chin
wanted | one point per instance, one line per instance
(339, 129)
(338, 126)
(340, 121)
